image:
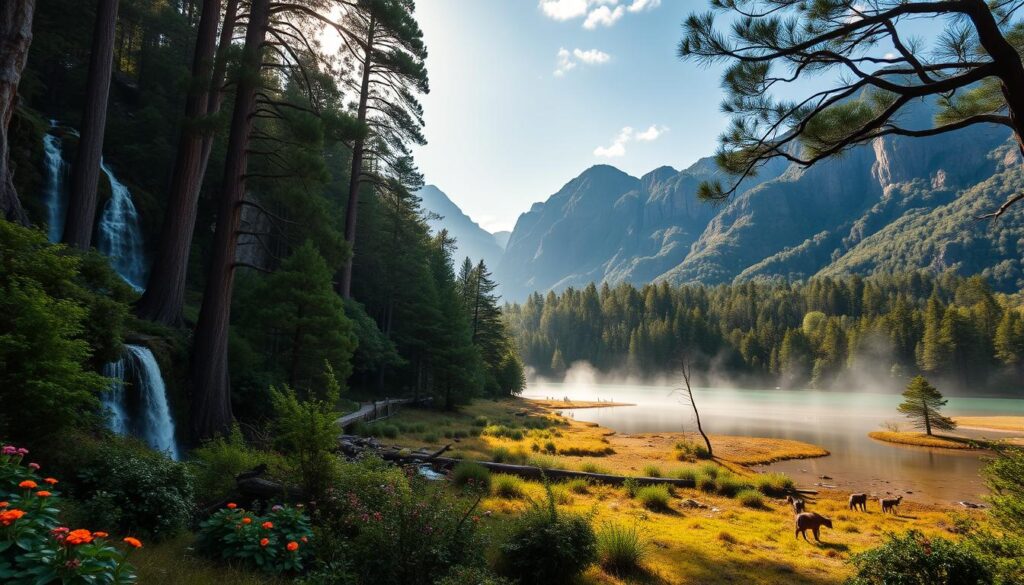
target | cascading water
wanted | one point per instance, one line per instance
(137, 404)
(120, 236)
(56, 172)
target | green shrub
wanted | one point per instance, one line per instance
(471, 474)
(631, 485)
(277, 542)
(431, 437)
(389, 431)
(503, 432)
(709, 469)
(544, 462)
(545, 546)
(472, 576)
(578, 485)
(35, 549)
(705, 483)
(460, 434)
(131, 489)
(728, 484)
(687, 474)
(305, 429)
(589, 467)
(687, 450)
(418, 428)
(361, 429)
(620, 550)
(480, 421)
(502, 454)
(750, 498)
(507, 486)
(652, 471)
(217, 462)
(654, 497)
(773, 484)
(914, 559)
(550, 448)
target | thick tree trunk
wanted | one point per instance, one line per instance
(211, 391)
(1008, 62)
(165, 291)
(352, 207)
(85, 173)
(220, 67)
(15, 38)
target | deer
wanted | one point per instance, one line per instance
(889, 504)
(859, 502)
(797, 503)
(810, 521)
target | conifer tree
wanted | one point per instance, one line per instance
(1009, 338)
(922, 403)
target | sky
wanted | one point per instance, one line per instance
(527, 94)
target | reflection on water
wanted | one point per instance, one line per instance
(837, 421)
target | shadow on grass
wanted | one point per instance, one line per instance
(713, 570)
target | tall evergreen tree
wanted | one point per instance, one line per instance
(922, 403)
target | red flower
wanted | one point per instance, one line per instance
(100, 534)
(28, 484)
(232, 505)
(80, 536)
(246, 520)
(267, 525)
(134, 542)
(292, 546)
(264, 542)
(51, 481)
(43, 494)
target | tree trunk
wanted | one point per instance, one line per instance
(165, 291)
(1007, 60)
(15, 38)
(696, 413)
(85, 173)
(352, 207)
(211, 391)
(927, 419)
(220, 67)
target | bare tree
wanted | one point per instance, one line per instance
(873, 70)
(686, 370)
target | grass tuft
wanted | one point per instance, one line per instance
(751, 499)
(620, 550)
(471, 473)
(654, 497)
(507, 486)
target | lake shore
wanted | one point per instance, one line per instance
(1003, 424)
(923, 440)
(572, 404)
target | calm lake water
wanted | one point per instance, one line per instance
(837, 421)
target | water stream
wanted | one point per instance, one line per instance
(120, 235)
(137, 402)
(56, 174)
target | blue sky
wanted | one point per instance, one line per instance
(526, 94)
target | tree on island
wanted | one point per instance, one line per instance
(875, 71)
(921, 404)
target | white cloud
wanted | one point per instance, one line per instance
(652, 133)
(603, 16)
(564, 9)
(597, 12)
(618, 146)
(568, 60)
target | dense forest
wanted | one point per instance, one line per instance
(821, 333)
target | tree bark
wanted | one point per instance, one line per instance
(15, 38)
(352, 207)
(85, 173)
(165, 291)
(1010, 70)
(211, 390)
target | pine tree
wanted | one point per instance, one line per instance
(921, 404)
(1009, 338)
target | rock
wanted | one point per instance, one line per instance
(690, 503)
(824, 477)
(971, 505)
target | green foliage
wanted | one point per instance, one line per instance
(61, 315)
(471, 474)
(773, 484)
(305, 429)
(578, 485)
(1004, 475)
(655, 498)
(620, 550)
(652, 471)
(921, 404)
(501, 454)
(122, 485)
(913, 559)
(507, 486)
(216, 463)
(632, 486)
(277, 542)
(545, 546)
(35, 548)
(473, 575)
(750, 498)
(689, 450)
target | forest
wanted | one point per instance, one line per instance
(825, 332)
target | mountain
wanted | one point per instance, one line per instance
(896, 204)
(470, 239)
(502, 238)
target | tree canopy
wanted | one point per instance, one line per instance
(921, 404)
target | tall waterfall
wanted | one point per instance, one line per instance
(56, 172)
(137, 405)
(120, 236)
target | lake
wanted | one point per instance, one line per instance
(837, 421)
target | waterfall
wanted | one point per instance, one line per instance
(56, 172)
(120, 236)
(137, 402)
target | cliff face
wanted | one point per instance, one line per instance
(471, 240)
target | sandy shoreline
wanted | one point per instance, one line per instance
(570, 404)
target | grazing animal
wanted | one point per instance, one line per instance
(889, 504)
(811, 521)
(797, 503)
(859, 502)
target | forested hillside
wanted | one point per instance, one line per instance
(845, 332)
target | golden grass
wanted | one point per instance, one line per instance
(563, 404)
(728, 543)
(994, 423)
(921, 440)
(173, 563)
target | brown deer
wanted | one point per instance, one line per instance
(889, 504)
(797, 503)
(810, 521)
(859, 502)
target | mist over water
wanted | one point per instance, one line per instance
(838, 420)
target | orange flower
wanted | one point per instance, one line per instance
(98, 534)
(10, 516)
(264, 542)
(134, 542)
(80, 536)
(267, 525)
(43, 494)
(246, 520)
(4, 504)
(51, 481)
(293, 546)
(232, 505)
(28, 484)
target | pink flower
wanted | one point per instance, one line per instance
(22, 451)
(10, 450)
(33, 466)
